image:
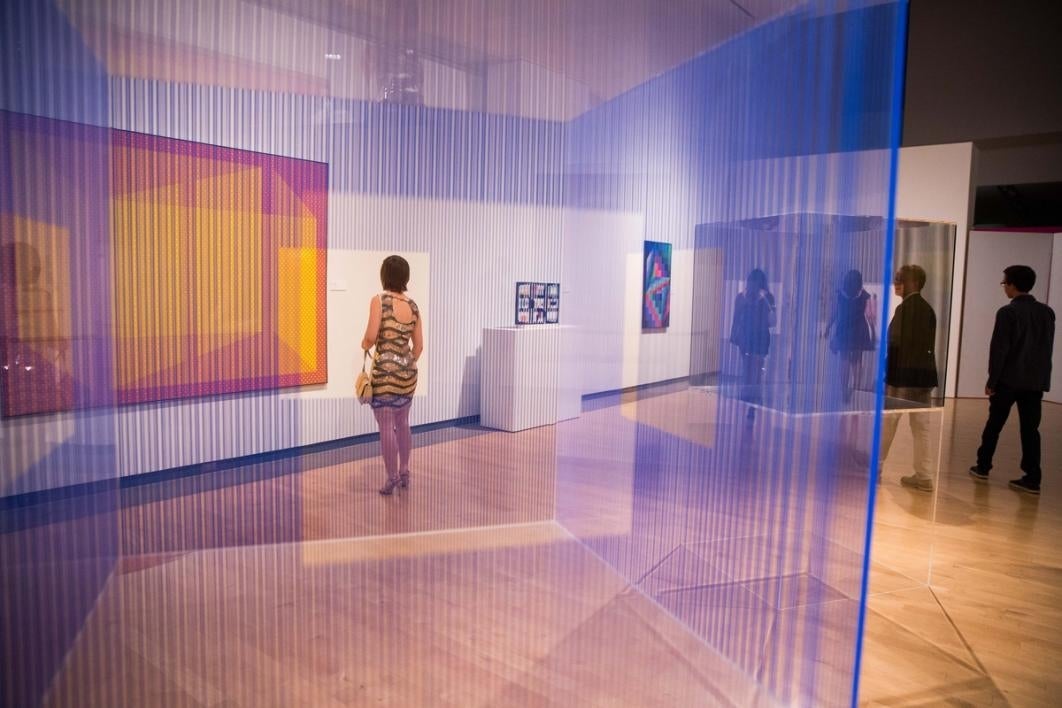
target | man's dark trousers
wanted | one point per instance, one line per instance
(1029, 406)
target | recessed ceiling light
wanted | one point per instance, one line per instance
(335, 57)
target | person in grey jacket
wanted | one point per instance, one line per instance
(1019, 371)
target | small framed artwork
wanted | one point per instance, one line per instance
(656, 286)
(537, 303)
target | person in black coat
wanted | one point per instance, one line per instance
(1019, 371)
(754, 315)
(911, 371)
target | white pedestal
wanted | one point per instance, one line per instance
(529, 377)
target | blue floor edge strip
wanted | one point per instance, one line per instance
(44, 496)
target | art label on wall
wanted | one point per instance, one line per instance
(207, 267)
(656, 285)
(537, 303)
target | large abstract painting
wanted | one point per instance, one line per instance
(209, 274)
(656, 286)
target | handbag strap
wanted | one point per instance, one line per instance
(365, 361)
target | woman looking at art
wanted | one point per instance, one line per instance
(396, 330)
(754, 315)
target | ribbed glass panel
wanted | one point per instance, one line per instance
(196, 197)
(739, 493)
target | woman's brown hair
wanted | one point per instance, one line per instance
(394, 274)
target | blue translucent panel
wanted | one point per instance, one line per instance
(741, 490)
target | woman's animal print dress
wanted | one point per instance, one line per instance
(394, 373)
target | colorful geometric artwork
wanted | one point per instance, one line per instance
(214, 267)
(656, 286)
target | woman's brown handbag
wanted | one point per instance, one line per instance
(363, 384)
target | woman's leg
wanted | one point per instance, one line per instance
(857, 369)
(851, 361)
(385, 418)
(746, 375)
(403, 437)
(756, 376)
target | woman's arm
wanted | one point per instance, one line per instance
(736, 322)
(372, 329)
(832, 320)
(418, 338)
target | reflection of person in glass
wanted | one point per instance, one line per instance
(852, 329)
(911, 370)
(754, 315)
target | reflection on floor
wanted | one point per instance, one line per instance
(306, 588)
(987, 628)
(529, 619)
(748, 530)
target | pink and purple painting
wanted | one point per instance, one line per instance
(204, 267)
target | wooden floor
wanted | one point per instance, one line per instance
(984, 625)
(475, 478)
(465, 592)
(468, 621)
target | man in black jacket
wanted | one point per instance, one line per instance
(1019, 371)
(911, 372)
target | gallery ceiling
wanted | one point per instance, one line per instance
(607, 45)
(587, 50)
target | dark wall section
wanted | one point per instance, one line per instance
(982, 69)
(1035, 205)
(1020, 160)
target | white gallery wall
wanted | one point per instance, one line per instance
(602, 286)
(935, 183)
(988, 254)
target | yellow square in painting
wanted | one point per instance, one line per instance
(152, 255)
